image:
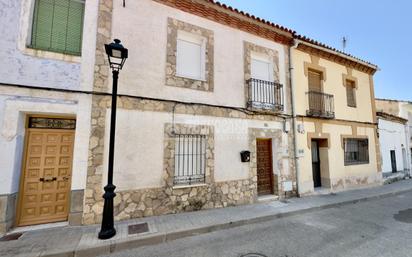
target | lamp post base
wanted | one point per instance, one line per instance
(107, 230)
(107, 234)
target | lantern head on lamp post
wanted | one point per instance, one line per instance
(117, 55)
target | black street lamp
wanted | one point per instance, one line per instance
(117, 55)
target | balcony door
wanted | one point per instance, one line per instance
(263, 92)
(315, 90)
(315, 81)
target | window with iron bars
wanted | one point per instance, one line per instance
(190, 159)
(356, 151)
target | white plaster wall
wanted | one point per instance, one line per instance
(25, 66)
(142, 27)
(14, 107)
(391, 137)
(140, 145)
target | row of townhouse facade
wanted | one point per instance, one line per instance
(216, 108)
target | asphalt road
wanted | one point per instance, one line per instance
(380, 227)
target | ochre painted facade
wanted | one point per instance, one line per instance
(348, 122)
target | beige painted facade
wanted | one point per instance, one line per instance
(348, 122)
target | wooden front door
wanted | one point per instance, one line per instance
(393, 161)
(264, 166)
(316, 164)
(46, 176)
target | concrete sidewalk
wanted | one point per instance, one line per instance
(82, 241)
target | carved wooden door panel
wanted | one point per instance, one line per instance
(46, 176)
(264, 166)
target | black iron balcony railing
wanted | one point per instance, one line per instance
(320, 105)
(265, 95)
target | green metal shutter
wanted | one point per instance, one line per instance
(75, 27)
(58, 25)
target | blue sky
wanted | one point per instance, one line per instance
(378, 31)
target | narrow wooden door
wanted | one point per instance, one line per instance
(46, 180)
(264, 166)
(393, 161)
(315, 164)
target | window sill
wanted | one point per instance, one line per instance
(191, 78)
(189, 186)
(48, 54)
(356, 163)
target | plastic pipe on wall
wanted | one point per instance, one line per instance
(295, 144)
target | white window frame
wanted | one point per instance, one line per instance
(194, 39)
(260, 57)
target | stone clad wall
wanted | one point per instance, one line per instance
(93, 201)
(7, 211)
(174, 199)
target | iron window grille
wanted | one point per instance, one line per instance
(58, 26)
(356, 151)
(265, 95)
(190, 159)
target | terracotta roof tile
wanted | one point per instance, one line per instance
(294, 33)
(251, 16)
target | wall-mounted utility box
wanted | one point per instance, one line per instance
(287, 186)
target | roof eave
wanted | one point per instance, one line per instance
(369, 65)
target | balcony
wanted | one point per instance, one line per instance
(320, 105)
(264, 95)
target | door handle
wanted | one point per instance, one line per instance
(48, 179)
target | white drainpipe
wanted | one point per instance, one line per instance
(296, 156)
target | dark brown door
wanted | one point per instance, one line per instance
(264, 166)
(393, 161)
(316, 164)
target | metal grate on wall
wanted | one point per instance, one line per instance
(190, 159)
